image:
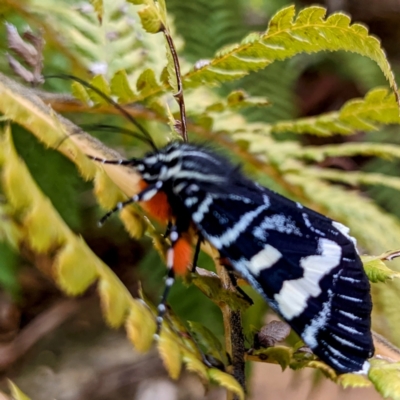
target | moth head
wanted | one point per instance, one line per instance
(160, 165)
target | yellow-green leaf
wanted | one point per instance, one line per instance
(386, 378)
(208, 340)
(107, 192)
(326, 369)
(99, 82)
(114, 302)
(376, 269)
(22, 106)
(99, 8)
(80, 92)
(162, 9)
(236, 100)
(170, 352)
(18, 184)
(44, 227)
(140, 326)
(10, 232)
(353, 380)
(227, 381)
(75, 266)
(194, 364)
(211, 286)
(376, 108)
(17, 393)
(281, 355)
(287, 36)
(147, 83)
(138, 2)
(150, 19)
(121, 88)
(133, 222)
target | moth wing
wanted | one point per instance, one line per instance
(304, 266)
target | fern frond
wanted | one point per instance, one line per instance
(287, 36)
(207, 25)
(352, 178)
(319, 153)
(101, 45)
(376, 108)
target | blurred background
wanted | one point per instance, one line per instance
(56, 347)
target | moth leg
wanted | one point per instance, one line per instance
(197, 252)
(168, 230)
(162, 308)
(233, 278)
(145, 195)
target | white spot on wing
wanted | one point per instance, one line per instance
(199, 176)
(203, 209)
(348, 279)
(349, 329)
(179, 187)
(346, 342)
(310, 226)
(191, 201)
(150, 160)
(349, 298)
(266, 258)
(319, 321)
(277, 222)
(349, 315)
(345, 231)
(193, 188)
(335, 352)
(292, 298)
(364, 370)
(172, 172)
(231, 234)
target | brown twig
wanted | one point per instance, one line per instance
(179, 94)
(44, 323)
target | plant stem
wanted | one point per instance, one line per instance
(234, 339)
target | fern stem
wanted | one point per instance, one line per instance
(179, 94)
(234, 339)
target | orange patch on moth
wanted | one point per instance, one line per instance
(182, 256)
(157, 206)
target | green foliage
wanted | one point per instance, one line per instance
(378, 107)
(208, 341)
(9, 267)
(226, 380)
(206, 25)
(286, 37)
(385, 377)
(377, 270)
(138, 71)
(76, 267)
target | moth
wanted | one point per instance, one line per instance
(305, 265)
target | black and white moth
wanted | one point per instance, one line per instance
(305, 265)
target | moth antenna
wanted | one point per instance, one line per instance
(114, 128)
(146, 136)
